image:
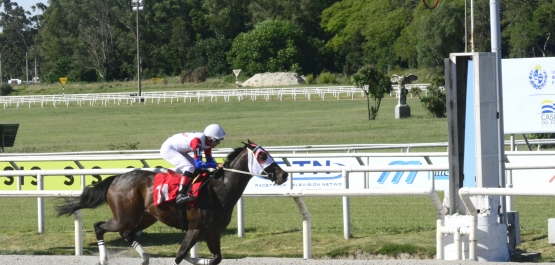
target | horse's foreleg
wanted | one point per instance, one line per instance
(213, 243)
(99, 231)
(129, 236)
(191, 238)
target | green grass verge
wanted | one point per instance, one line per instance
(380, 225)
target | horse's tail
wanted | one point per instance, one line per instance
(92, 197)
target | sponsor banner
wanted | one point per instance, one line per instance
(66, 182)
(408, 179)
(529, 95)
(357, 180)
(529, 178)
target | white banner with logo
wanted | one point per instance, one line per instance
(521, 179)
(357, 180)
(529, 95)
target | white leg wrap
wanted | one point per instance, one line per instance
(197, 261)
(144, 255)
(102, 252)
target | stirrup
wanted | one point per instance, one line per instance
(181, 199)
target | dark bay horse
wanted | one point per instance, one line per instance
(130, 198)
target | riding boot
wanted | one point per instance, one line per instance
(183, 194)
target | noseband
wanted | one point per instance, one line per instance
(263, 161)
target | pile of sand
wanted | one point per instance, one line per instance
(274, 79)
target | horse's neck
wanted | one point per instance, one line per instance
(236, 183)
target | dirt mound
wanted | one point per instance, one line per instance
(274, 79)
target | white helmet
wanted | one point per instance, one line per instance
(215, 131)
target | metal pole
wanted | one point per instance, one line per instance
(496, 48)
(26, 68)
(472, 25)
(138, 54)
(465, 29)
(0, 69)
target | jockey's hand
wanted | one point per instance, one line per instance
(217, 172)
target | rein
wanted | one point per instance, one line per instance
(244, 172)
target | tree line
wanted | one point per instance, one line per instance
(96, 40)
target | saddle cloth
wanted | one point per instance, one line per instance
(166, 186)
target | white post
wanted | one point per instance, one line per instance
(346, 207)
(241, 218)
(40, 202)
(194, 251)
(78, 233)
(307, 237)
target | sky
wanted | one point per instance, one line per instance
(28, 3)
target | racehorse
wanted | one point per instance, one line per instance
(130, 197)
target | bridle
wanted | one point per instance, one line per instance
(256, 154)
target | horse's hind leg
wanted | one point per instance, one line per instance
(129, 236)
(100, 231)
(100, 228)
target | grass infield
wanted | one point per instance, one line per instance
(380, 225)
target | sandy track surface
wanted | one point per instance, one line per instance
(66, 260)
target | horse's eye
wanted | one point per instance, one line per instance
(262, 157)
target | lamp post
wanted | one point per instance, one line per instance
(138, 6)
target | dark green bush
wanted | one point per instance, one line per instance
(434, 101)
(5, 89)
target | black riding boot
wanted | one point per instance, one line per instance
(183, 195)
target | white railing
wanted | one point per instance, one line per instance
(188, 96)
(295, 193)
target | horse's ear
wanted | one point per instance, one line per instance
(249, 141)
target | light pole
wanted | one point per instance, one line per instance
(26, 68)
(0, 69)
(138, 6)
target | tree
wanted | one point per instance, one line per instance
(274, 46)
(366, 30)
(210, 53)
(374, 84)
(527, 29)
(16, 39)
(443, 31)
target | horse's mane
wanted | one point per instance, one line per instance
(231, 156)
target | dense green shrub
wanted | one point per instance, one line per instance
(435, 100)
(310, 79)
(5, 89)
(326, 78)
(194, 76)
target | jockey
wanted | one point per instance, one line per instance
(176, 151)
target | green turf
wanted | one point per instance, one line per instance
(380, 225)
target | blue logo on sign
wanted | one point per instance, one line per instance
(398, 175)
(314, 163)
(538, 77)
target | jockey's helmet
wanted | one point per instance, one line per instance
(215, 131)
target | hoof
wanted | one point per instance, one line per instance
(146, 257)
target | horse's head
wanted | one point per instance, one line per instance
(261, 162)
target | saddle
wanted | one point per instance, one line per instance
(166, 186)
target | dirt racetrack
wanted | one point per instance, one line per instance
(85, 260)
